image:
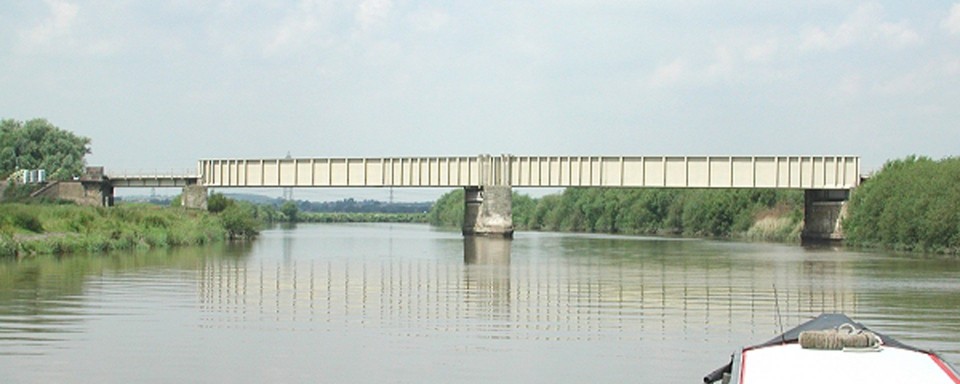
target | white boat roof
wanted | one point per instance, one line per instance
(789, 363)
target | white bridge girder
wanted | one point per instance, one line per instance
(152, 181)
(782, 172)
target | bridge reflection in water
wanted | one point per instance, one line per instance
(492, 293)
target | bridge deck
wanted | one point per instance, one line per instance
(152, 181)
(784, 172)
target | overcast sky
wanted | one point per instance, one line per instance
(161, 84)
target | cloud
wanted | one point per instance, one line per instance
(669, 74)
(319, 23)
(866, 25)
(952, 67)
(306, 25)
(723, 65)
(66, 30)
(850, 86)
(57, 26)
(952, 22)
(763, 51)
(429, 20)
(372, 12)
(735, 59)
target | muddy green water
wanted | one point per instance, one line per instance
(379, 304)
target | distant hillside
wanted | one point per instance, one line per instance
(368, 206)
(255, 199)
(348, 205)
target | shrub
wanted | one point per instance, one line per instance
(239, 222)
(8, 248)
(217, 203)
(910, 204)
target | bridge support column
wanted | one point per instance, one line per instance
(823, 214)
(488, 211)
(194, 197)
(106, 191)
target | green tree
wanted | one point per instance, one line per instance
(239, 219)
(290, 211)
(267, 213)
(217, 203)
(523, 207)
(910, 204)
(38, 144)
(448, 210)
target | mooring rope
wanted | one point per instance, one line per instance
(844, 337)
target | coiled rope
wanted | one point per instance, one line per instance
(845, 336)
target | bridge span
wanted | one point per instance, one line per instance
(786, 172)
(488, 180)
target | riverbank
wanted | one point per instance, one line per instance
(34, 229)
(912, 205)
(753, 215)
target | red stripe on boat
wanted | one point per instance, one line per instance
(946, 368)
(743, 364)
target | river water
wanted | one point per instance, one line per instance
(396, 303)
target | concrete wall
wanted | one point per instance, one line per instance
(82, 193)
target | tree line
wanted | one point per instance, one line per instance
(689, 212)
(910, 204)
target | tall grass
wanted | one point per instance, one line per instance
(58, 229)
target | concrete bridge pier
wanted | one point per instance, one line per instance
(106, 191)
(194, 197)
(488, 211)
(823, 214)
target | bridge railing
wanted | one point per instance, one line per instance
(152, 178)
(151, 173)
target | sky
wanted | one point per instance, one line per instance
(158, 85)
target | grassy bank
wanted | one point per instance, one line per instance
(762, 215)
(31, 229)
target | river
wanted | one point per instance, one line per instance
(404, 303)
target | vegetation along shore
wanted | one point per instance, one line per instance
(911, 204)
(768, 215)
(30, 229)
